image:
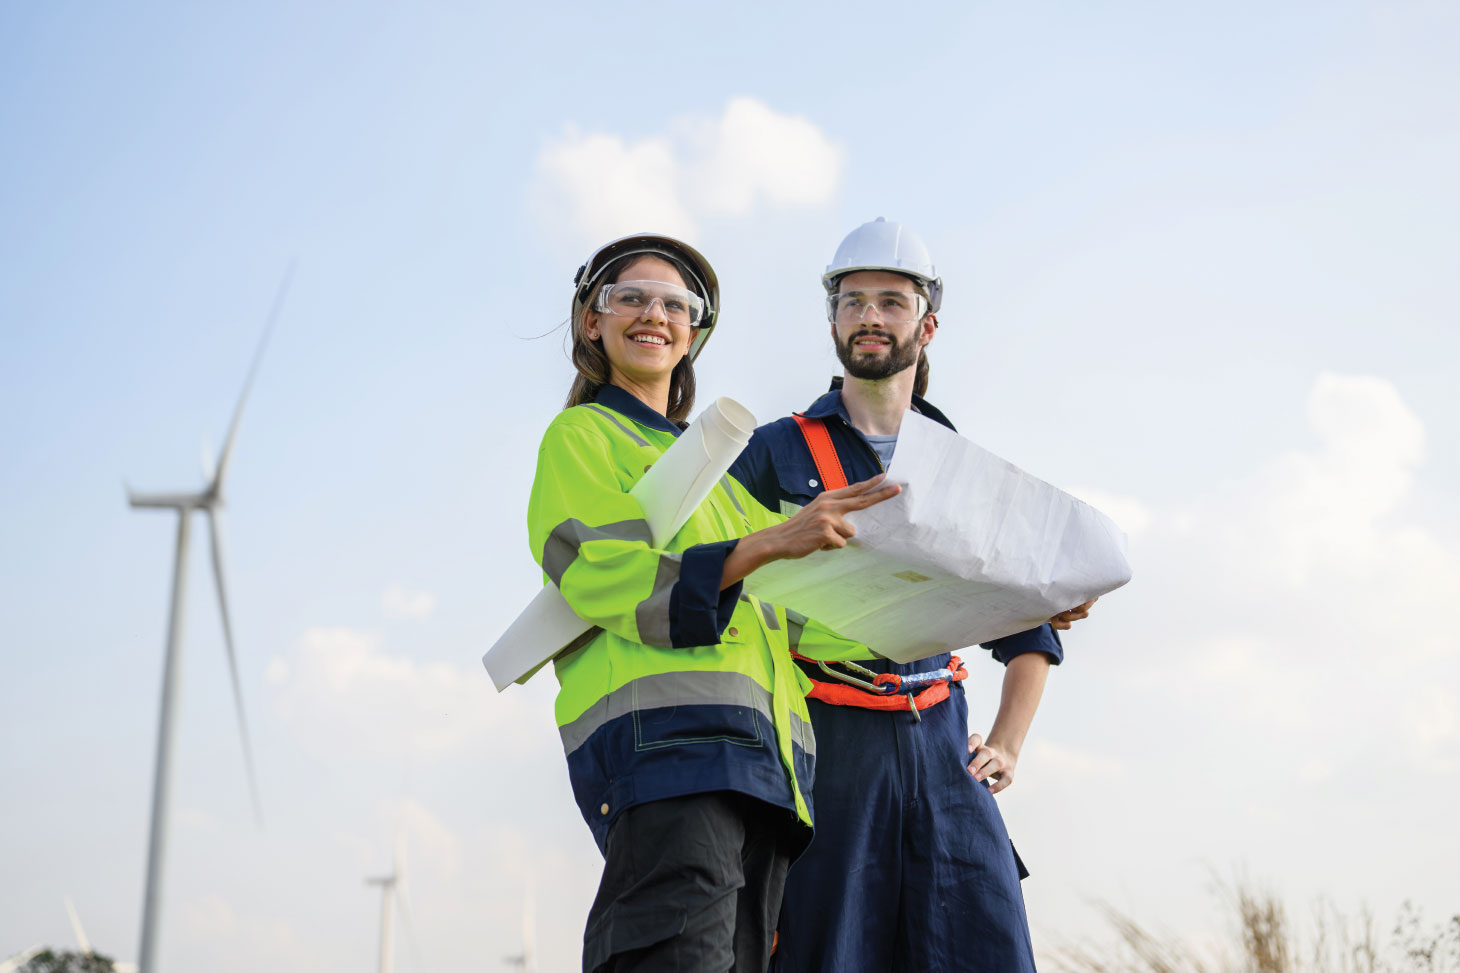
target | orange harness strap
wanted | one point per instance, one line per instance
(842, 694)
(823, 453)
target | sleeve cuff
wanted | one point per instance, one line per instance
(699, 609)
(1042, 639)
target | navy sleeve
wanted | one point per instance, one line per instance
(755, 469)
(1042, 639)
(699, 609)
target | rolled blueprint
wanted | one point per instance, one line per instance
(971, 550)
(669, 492)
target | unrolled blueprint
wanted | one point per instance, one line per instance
(972, 549)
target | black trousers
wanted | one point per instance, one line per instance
(691, 883)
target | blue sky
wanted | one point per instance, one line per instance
(1199, 268)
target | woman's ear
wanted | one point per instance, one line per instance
(590, 325)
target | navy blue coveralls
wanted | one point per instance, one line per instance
(910, 867)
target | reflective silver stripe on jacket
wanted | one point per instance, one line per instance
(698, 688)
(795, 625)
(652, 614)
(614, 419)
(561, 547)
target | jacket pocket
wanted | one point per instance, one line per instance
(799, 484)
(687, 708)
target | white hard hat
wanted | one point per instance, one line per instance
(702, 276)
(881, 245)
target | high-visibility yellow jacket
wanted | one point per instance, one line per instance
(683, 688)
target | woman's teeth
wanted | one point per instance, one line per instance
(648, 339)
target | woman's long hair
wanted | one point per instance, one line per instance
(591, 360)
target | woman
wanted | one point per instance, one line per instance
(683, 719)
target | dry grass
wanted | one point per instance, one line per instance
(1263, 940)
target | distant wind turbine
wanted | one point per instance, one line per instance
(527, 959)
(85, 944)
(393, 886)
(208, 500)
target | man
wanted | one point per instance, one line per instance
(910, 866)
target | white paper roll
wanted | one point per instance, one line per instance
(677, 483)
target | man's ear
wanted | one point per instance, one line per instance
(929, 329)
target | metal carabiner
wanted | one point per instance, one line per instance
(867, 684)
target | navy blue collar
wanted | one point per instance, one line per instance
(627, 405)
(830, 404)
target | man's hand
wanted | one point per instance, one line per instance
(991, 762)
(1064, 620)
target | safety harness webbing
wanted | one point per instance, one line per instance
(823, 453)
(896, 692)
(892, 692)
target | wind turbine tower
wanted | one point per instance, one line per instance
(388, 891)
(208, 500)
(527, 959)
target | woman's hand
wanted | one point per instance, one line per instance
(821, 525)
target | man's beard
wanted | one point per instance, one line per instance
(899, 356)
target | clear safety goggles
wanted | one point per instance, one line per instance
(891, 306)
(633, 298)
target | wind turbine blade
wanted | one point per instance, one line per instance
(278, 306)
(76, 927)
(19, 959)
(215, 529)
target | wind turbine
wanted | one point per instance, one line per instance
(85, 944)
(388, 889)
(527, 959)
(208, 500)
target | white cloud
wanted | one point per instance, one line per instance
(400, 604)
(752, 152)
(613, 187)
(601, 185)
(211, 925)
(1129, 514)
(345, 694)
(1278, 677)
